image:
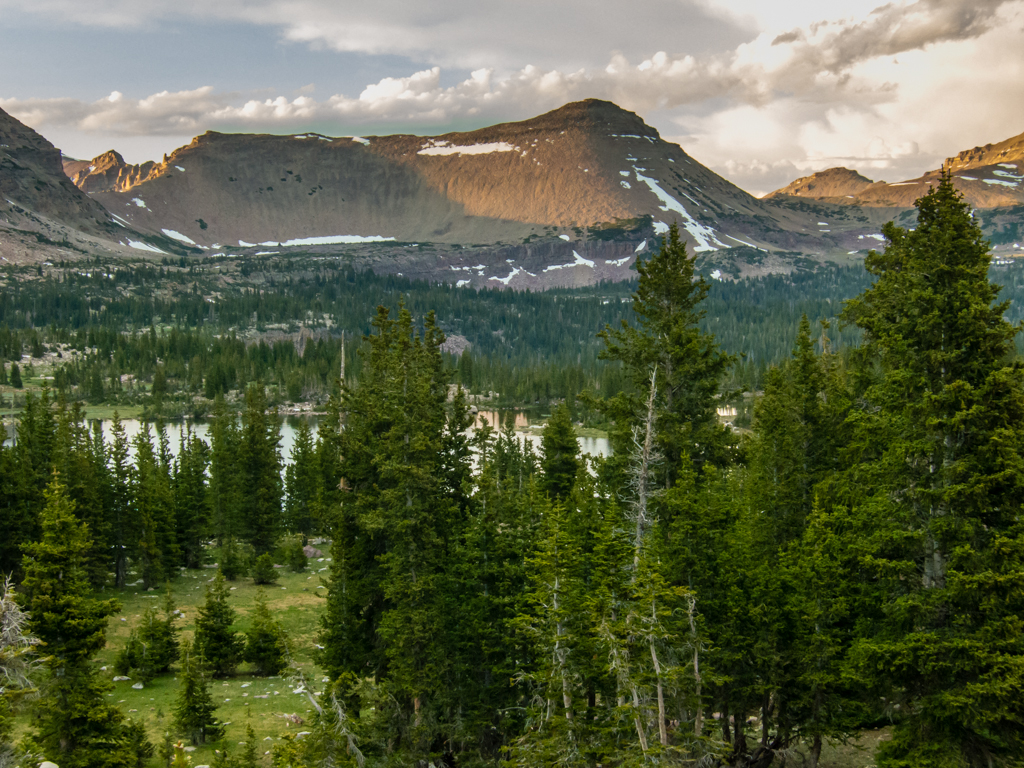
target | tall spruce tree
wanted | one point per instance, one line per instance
(302, 486)
(690, 366)
(194, 710)
(191, 503)
(153, 504)
(74, 724)
(216, 642)
(940, 446)
(225, 483)
(259, 471)
(560, 454)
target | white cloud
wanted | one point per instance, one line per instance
(889, 91)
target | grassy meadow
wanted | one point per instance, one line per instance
(268, 704)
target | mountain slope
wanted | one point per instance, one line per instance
(32, 179)
(989, 177)
(587, 171)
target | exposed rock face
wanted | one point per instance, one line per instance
(835, 182)
(107, 173)
(589, 170)
(32, 178)
(989, 177)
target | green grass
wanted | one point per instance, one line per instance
(293, 602)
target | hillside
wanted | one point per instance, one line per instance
(989, 177)
(573, 193)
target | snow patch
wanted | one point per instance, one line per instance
(178, 236)
(505, 280)
(1001, 183)
(703, 234)
(462, 283)
(625, 184)
(751, 245)
(578, 261)
(564, 237)
(967, 178)
(144, 246)
(180, 168)
(1007, 175)
(641, 247)
(326, 240)
(660, 227)
(716, 275)
(361, 140)
(267, 253)
(618, 262)
(246, 245)
(444, 148)
(1008, 165)
(139, 202)
(624, 173)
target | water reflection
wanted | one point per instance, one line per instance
(526, 425)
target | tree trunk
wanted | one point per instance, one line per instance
(815, 752)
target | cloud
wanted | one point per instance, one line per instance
(465, 34)
(885, 94)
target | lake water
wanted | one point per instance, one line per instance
(596, 446)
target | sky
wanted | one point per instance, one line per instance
(760, 91)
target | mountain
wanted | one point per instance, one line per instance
(32, 177)
(589, 182)
(824, 185)
(989, 177)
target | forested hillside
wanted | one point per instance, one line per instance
(701, 597)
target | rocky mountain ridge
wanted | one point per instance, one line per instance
(989, 177)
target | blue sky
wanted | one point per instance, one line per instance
(761, 92)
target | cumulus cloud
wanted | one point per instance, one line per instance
(860, 92)
(453, 33)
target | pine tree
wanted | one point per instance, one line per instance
(301, 482)
(75, 726)
(265, 647)
(263, 571)
(194, 710)
(560, 454)
(191, 504)
(225, 488)
(153, 504)
(17, 668)
(689, 365)
(123, 524)
(16, 376)
(939, 444)
(259, 471)
(215, 641)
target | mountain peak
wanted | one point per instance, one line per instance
(833, 182)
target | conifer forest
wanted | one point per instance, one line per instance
(844, 557)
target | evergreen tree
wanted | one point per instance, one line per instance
(17, 667)
(194, 710)
(225, 483)
(560, 454)
(75, 726)
(16, 376)
(265, 647)
(263, 571)
(154, 506)
(191, 504)
(690, 367)
(301, 482)
(216, 643)
(122, 523)
(259, 471)
(939, 440)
